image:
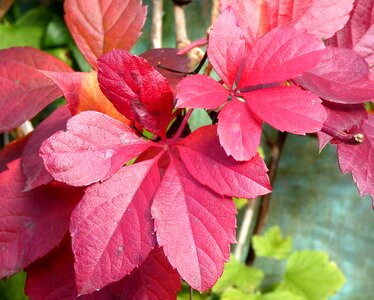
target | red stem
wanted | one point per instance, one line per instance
(182, 126)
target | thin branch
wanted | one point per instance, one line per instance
(264, 201)
(244, 229)
(24, 129)
(4, 7)
(157, 14)
(215, 11)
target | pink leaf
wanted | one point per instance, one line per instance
(137, 90)
(154, 279)
(31, 223)
(111, 228)
(101, 26)
(288, 109)
(239, 130)
(283, 53)
(319, 17)
(24, 90)
(32, 164)
(168, 58)
(226, 46)
(358, 159)
(194, 226)
(358, 33)
(93, 148)
(200, 91)
(342, 76)
(208, 163)
(52, 277)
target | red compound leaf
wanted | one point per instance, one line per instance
(288, 109)
(93, 148)
(358, 33)
(21, 81)
(226, 47)
(358, 159)
(101, 26)
(137, 90)
(239, 130)
(201, 91)
(320, 17)
(194, 225)
(111, 228)
(154, 279)
(342, 76)
(283, 53)
(32, 223)
(32, 164)
(208, 163)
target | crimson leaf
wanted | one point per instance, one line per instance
(21, 81)
(194, 226)
(101, 26)
(137, 90)
(32, 223)
(111, 228)
(32, 164)
(358, 159)
(93, 148)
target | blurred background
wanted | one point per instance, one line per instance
(311, 201)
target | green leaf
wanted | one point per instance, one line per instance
(239, 275)
(27, 31)
(12, 288)
(279, 295)
(56, 34)
(199, 118)
(78, 57)
(271, 244)
(235, 294)
(62, 54)
(240, 203)
(311, 275)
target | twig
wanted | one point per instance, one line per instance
(24, 129)
(157, 14)
(4, 7)
(244, 229)
(264, 201)
(215, 12)
(181, 37)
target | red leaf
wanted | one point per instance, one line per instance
(12, 151)
(239, 130)
(32, 164)
(101, 26)
(358, 33)
(111, 228)
(168, 58)
(137, 90)
(283, 53)
(208, 163)
(358, 159)
(226, 47)
(93, 148)
(341, 76)
(200, 91)
(52, 277)
(320, 17)
(24, 90)
(194, 226)
(341, 119)
(31, 223)
(154, 279)
(288, 109)
(82, 93)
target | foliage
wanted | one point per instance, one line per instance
(113, 192)
(308, 275)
